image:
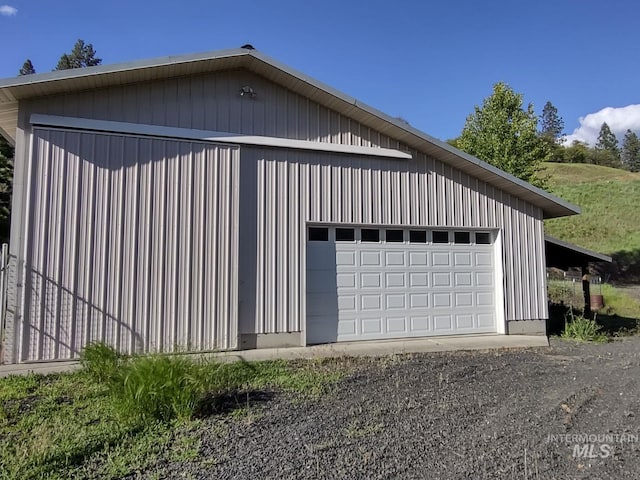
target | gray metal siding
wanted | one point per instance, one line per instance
(129, 241)
(281, 191)
(212, 102)
(294, 188)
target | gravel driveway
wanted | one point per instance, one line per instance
(497, 414)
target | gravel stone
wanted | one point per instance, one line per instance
(490, 415)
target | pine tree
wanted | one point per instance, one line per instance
(82, 55)
(27, 68)
(551, 124)
(630, 154)
(503, 133)
(606, 150)
(6, 188)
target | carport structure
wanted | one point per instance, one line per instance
(564, 255)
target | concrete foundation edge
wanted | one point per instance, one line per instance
(250, 341)
(527, 327)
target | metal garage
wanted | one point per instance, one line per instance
(375, 283)
(159, 207)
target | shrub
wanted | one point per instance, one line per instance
(582, 329)
(101, 361)
(160, 387)
(565, 292)
(154, 387)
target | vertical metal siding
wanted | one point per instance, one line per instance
(213, 102)
(319, 188)
(130, 241)
(295, 188)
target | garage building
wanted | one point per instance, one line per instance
(226, 201)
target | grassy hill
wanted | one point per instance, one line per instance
(610, 203)
(610, 218)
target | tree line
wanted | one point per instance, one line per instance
(81, 55)
(607, 151)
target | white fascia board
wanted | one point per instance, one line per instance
(206, 135)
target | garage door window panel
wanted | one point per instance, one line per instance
(440, 236)
(318, 234)
(462, 238)
(394, 236)
(345, 235)
(418, 236)
(370, 235)
(483, 238)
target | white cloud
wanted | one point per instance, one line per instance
(619, 119)
(8, 10)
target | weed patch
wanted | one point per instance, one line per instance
(582, 329)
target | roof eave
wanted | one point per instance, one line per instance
(593, 256)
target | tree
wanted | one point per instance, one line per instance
(82, 55)
(27, 68)
(504, 134)
(6, 188)
(551, 124)
(630, 154)
(607, 151)
(577, 152)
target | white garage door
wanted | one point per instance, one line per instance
(370, 283)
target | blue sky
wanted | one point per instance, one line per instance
(428, 62)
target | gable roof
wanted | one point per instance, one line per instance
(12, 90)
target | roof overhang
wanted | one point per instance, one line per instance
(563, 255)
(13, 90)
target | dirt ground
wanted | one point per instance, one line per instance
(570, 411)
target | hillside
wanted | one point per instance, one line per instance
(610, 218)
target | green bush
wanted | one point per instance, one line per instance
(154, 387)
(582, 329)
(160, 387)
(101, 361)
(565, 292)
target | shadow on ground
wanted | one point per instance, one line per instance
(612, 325)
(217, 404)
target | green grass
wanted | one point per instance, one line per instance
(74, 426)
(577, 173)
(582, 329)
(608, 197)
(618, 303)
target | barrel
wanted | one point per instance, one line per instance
(597, 302)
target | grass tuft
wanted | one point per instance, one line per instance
(582, 329)
(159, 387)
(101, 362)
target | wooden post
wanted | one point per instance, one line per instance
(586, 290)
